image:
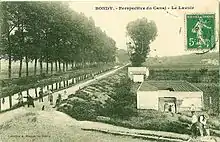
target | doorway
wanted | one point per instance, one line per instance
(167, 104)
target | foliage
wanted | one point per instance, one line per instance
(79, 109)
(53, 33)
(193, 76)
(122, 106)
(142, 32)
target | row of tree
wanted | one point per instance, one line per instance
(51, 32)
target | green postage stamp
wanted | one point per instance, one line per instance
(200, 31)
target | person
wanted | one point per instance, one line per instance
(206, 126)
(41, 95)
(203, 127)
(58, 101)
(65, 93)
(173, 109)
(165, 107)
(170, 108)
(194, 122)
(30, 100)
(20, 99)
(50, 97)
(193, 108)
(198, 29)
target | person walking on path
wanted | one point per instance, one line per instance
(30, 101)
(50, 97)
(20, 99)
(41, 95)
(58, 101)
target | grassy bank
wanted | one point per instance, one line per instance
(112, 101)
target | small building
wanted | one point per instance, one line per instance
(138, 74)
(138, 78)
(165, 95)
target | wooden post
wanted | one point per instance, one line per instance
(59, 84)
(64, 83)
(36, 93)
(0, 104)
(10, 101)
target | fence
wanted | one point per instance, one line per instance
(11, 102)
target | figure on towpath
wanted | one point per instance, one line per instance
(58, 101)
(20, 99)
(41, 95)
(50, 97)
(30, 101)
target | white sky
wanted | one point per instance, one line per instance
(168, 42)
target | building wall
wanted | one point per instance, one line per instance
(138, 78)
(131, 69)
(150, 99)
(147, 100)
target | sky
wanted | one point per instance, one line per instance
(170, 23)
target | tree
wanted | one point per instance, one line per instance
(142, 32)
(51, 32)
(124, 100)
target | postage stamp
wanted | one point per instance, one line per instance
(200, 31)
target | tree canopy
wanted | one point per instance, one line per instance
(51, 32)
(142, 32)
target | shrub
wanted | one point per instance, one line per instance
(80, 110)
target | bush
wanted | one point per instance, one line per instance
(79, 109)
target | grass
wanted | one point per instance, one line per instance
(88, 108)
(147, 119)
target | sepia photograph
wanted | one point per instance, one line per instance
(109, 71)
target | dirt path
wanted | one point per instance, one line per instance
(26, 125)
(70, 90)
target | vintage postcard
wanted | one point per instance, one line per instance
(109, 71)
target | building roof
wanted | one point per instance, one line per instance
(172, 85)
(138, 72)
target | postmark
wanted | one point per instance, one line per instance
(200, 31)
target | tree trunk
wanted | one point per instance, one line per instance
(56, 65)
(20, 67)
(26, 60)
(35, 67)
(10, 101)
(9, 56)
(36, 93)
(72, 65)
(67, 66)
(28, 92)
(41, 67)
(0, 104)
(51, 67)
(47, 66)
(63, 67)
(59, 65)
